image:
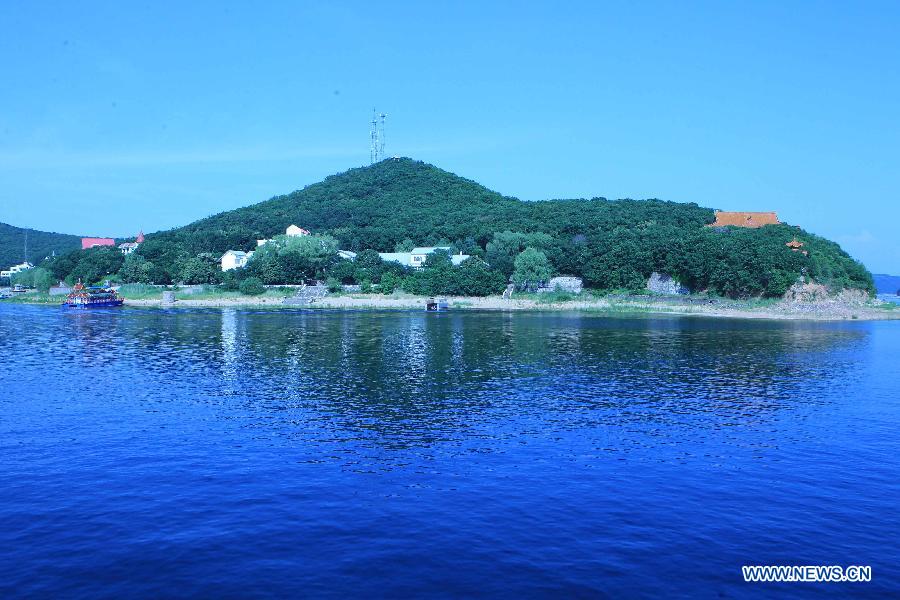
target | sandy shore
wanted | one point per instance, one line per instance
(817, 311)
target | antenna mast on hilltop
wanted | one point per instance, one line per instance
(376, 138)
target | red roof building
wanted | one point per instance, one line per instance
(93, 242)
(744, 219)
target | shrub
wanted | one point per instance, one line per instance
(231, 281)
(390, 282)
(252, 286)
(555, 296)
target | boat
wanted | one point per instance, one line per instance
(92, 297)
(434, 305)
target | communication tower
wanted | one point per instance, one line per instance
(376, 137)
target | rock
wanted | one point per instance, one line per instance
(815, 299)
(573, 285)
(802, 292)
(660, 283)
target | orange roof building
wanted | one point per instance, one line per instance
(744, 219)
(796, 246)
(93, 242)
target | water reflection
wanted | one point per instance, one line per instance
(229, 344)
(400, 378)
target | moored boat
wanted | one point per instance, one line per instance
(92, 297)
(433, 305)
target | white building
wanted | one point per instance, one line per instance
(16, 269)
(291, 231)
(129, 247)
(294, 231)
(235, 259)
(417, 257)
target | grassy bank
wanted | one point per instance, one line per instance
(33, 298)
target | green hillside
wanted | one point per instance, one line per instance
(610, 244)
(40, 244)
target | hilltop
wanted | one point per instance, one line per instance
(611, 244)
(40, 244)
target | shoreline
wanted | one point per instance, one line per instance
(783, 311)
(823, 310)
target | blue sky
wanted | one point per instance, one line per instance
(118, 116)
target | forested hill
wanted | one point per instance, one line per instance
(611, 244)
(40, 244)
(402, 199)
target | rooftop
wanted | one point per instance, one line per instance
(429, 249)
(745, 219)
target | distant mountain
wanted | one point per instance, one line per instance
(886, 284)
(40, 244)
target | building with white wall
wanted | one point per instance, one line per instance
(294, 231)
(235, 259)
(16, 269)
(417, 256)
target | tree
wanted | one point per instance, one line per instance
(24, 278)
(136, 269)
(95, 264)
(42, 279)
(230, 280)
(368, 265)
(62, 265)
(203, 268)
(506, 245)
(390, 282)
(252, 286)
(167, 258)
(531, 269)
(344, 271)
(405, 246)
(475, 278)
(287, 259)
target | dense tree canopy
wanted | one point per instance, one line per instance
(293, 259)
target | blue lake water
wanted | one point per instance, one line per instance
(223, 453)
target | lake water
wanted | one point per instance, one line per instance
(222, 453)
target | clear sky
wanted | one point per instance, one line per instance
(122, 116)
